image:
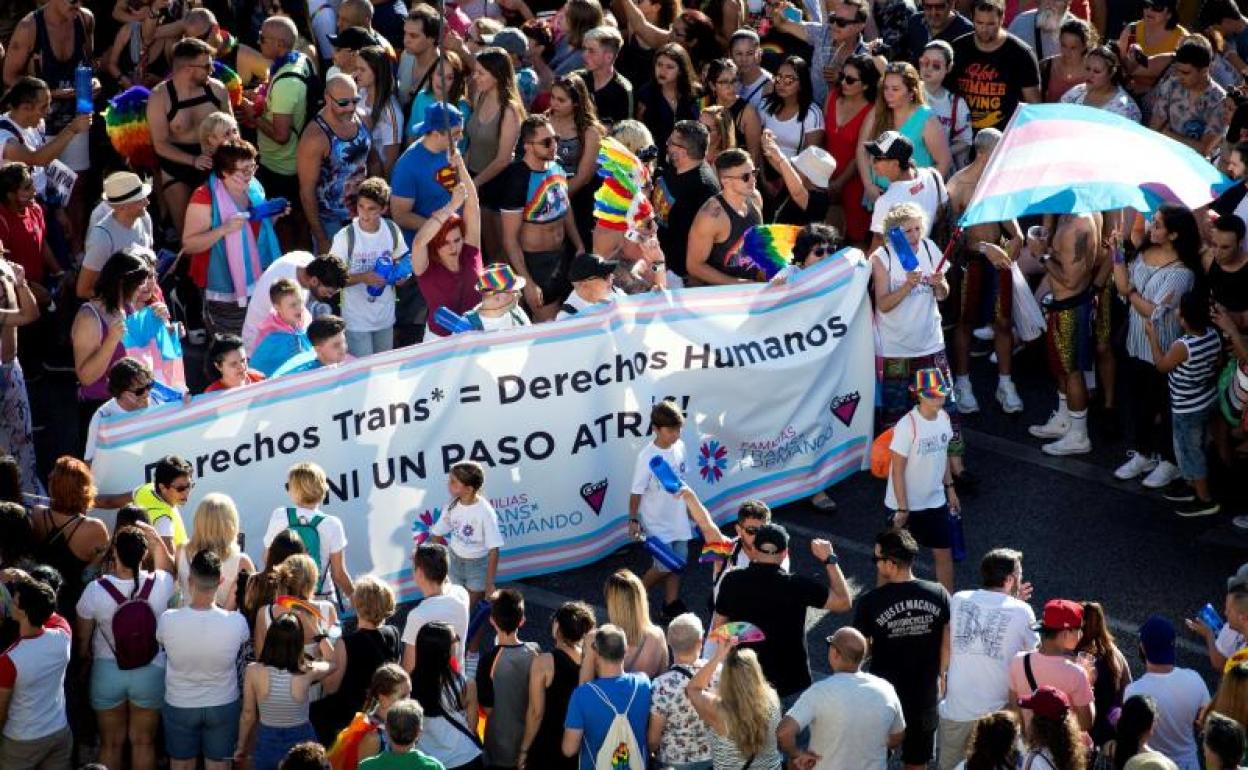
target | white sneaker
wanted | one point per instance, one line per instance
(1007, 397)
(1240, 522)
(1056, 427)
(1135, 465)
(964, 397)
(985, 333)
(1163, 474)
(1070, 444)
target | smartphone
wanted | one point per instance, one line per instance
(1140, 57)
(792, 14)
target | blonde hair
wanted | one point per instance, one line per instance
(306, 484)
(217, 121)
(746, 702)
(885, 119)
(215, 526)
(373, 599)
(724, 125)
(627, 604)
(633, 134)
(901, 213)
(298, 575)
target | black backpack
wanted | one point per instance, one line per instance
(314, 92)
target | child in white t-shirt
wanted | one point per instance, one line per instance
(920, 483)
(307, 486)
(366, 239)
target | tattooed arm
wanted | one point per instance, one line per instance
(710, 226)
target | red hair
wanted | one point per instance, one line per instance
(71, 487)
(439, 239)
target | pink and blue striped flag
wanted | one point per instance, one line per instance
(1068, 158)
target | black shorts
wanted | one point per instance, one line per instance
(279, 186)
(919, 744)
(931, 527)
(549, 272)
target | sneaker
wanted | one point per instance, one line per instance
(1007, 397)
(1163, 474)
(1179, 491)
(1070, 444)
(985, 333)
(1198, 508)
(1056, 427)
(1135, 465)
(964, 397)
(1240, 522)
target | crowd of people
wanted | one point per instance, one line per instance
(284, 186)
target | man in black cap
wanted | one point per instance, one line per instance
(775, 600)
(891, 157)
(347, 45)
(592, 284)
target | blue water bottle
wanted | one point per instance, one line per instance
(905, 252)
(957, 537)
(384, 266)
(664, 473)
(1210, 617)
(82, 90)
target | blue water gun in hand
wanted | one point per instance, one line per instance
(905, 253)
(451, 321)
(391, 271)
(665, 474)
(267, 209)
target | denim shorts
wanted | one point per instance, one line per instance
(1190, 430)
(273, 743)
(210, 732)
(680, 548)
(469, 573)
(111, 687)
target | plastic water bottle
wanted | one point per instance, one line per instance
(384, 266)
(665, 555)
(267, 209)
(905, 252)
(957, 537)
(1210, 617)
(665, 474)
(82, 90)
(451, 321)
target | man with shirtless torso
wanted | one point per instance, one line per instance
(988, 286)
(174, 112)
(1070, 310)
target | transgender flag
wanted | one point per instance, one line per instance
(1068, 158)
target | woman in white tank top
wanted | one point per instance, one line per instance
(215, 528)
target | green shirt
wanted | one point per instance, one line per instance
(286, 97)
(412, 760)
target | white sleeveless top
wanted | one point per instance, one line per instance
(229, 572)
(911, 329)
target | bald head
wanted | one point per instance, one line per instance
(199, 22)
(340, 85)
(846, 649)
(282, 31)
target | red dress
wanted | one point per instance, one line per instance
(842, 143)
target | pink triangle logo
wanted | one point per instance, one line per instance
(594, 494)
(845, 407)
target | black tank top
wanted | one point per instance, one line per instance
(56, 73)
(545, 751)
(56, 553)
(1229, 289)
(723, 254)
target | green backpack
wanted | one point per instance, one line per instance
(311, 539)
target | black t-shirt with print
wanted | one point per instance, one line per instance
(677, 198)
(905, 623)
(992, 82)
(774, 600)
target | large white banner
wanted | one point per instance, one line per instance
(776, 382)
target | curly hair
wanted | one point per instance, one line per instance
(1061, 737)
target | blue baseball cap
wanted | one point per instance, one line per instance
(439, 117)
(1157, 639)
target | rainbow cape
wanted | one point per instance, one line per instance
(232, 82)
(620, 203)
(713, 552)
(769, 247)
(125, 122)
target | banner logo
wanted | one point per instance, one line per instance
(844, 407)
(712, 461)
(594, 494)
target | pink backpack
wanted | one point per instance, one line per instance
(133, 626)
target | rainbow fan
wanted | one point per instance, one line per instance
(288, 602)
(740, 630)
(769, 247)
(125, 121)
(232, 82)
(713, 552)
(623, 187)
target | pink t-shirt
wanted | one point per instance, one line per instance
(1058, 672)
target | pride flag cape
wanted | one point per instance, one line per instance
(276, 343)
(769, 247)
(149, 339)
(1068, 158)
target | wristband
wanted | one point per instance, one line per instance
(832, 560)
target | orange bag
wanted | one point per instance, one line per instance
(882, 455)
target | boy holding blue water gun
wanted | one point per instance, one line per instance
(662, 512)
(376, 253)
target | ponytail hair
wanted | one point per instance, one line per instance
(130, 547)
(387, 679)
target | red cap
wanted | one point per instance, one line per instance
(1047, 702)
(1061, 614)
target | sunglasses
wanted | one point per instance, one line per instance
(848, 80)
(350, 101)
(142, 390)
(820, 251)
(748, 176)
(750, 530)
(839, 22)
(180, 488)
(549, 141)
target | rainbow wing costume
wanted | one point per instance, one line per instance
(125, 122)
(232, 82)
(769, 247)
(620, 202)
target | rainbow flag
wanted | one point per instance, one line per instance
(1068, 158)
(713, 552)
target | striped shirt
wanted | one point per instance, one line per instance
(1192, 383)
(1158, 284)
